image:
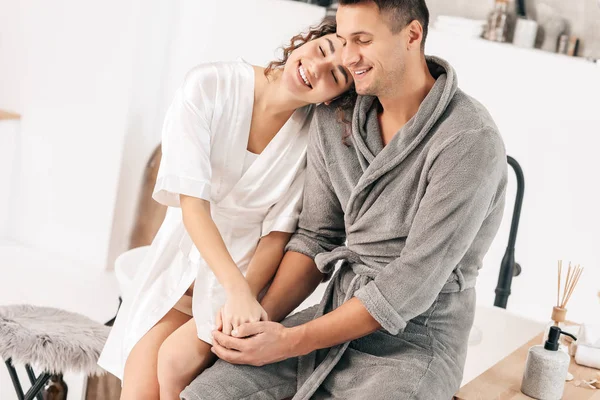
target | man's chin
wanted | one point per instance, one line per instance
(365, 91)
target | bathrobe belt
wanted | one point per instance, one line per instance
(309, 377)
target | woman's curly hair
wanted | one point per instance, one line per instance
(345, 102)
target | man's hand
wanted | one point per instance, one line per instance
(261, 343)
(257, 343)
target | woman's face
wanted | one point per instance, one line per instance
(314, 72)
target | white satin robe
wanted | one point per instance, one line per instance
(204, 143)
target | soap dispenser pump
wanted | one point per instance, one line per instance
(546, 368)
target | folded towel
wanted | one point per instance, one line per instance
(588, 356)
(588, 346)
(590, 335)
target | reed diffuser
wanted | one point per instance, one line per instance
(564, 291)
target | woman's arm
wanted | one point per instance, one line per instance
(207, 238)
(241, 306)
(266, 259)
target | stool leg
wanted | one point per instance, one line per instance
(37, 386)
(33, 379)
(15, 379)
(112, 320)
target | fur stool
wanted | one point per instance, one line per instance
(51, 340)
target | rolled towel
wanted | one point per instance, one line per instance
(590, 335)
(588, 356)
(588, 346)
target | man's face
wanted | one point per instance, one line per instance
(375, 56)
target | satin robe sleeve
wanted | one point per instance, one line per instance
(186, 143)
(464, 187)
(321, 223)
(283, 215)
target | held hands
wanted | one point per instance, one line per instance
(241, 307)
(253, 340)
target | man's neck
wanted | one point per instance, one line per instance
(398, 109)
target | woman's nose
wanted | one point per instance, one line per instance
(322, 67)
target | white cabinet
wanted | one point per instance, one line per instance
(546, 107)
(9, 130)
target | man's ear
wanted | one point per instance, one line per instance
(415, 33)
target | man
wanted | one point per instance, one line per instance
(418, 194)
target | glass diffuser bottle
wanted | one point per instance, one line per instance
(559, 312)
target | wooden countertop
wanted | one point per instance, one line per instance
(7, 115)
(503, 380)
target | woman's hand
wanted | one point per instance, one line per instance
(241, 307)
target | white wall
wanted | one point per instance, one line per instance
(9, 135)
(73, 79)
(142, 133)
(546, 108)
(12, 52)
(12, 62)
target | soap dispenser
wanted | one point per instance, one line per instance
(546, 368)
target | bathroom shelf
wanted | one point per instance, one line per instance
(7, 115)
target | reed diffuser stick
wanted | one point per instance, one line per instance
(575, 280)
(567, 282)
(571, 280)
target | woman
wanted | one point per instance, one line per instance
(234, 145)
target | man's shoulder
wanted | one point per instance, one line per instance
(468, 113)
(466, 120)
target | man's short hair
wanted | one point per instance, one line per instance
(401, 13)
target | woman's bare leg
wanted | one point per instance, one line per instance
(181, 358)
(140, 379)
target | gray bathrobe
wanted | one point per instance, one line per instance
(417, 217)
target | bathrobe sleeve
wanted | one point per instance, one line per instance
(321, 223)
(283, 215)
(186, 140)
(466, 181)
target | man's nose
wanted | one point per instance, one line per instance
(350, 55)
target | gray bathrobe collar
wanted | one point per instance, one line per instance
(377, 160)
(364, 119)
